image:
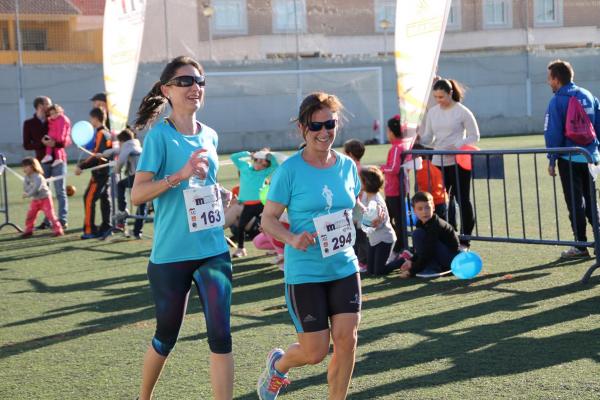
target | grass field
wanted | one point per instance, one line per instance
(77, 316)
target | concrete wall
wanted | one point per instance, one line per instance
(249, 119)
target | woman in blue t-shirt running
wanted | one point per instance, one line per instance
(178, 171)
(319, 188)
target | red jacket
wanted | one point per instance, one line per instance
(33, 132)
(429, 179)
(391, 168)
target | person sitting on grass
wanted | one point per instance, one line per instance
(435, 241)
(252, 177)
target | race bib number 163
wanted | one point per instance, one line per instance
(204, 207)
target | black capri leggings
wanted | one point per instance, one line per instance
(248, 212)
(458, 185)
(171, 283)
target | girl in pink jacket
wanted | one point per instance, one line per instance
(391, 169)
(59, 129)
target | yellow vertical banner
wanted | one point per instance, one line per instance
(420, 27)
(122, 40)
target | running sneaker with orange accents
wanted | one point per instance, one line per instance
(271, 381)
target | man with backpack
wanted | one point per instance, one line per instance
(572, 120)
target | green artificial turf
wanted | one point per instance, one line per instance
(77, 316)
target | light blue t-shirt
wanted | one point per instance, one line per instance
(251, 179)
(309, 192)
(165, 152)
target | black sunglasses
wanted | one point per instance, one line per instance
(317, 126)
(187, 81)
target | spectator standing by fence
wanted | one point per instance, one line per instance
(451, 125)
(573, 169)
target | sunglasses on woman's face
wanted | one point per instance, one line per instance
(187, 81)
(317, 126)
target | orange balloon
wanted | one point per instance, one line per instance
(464, 160)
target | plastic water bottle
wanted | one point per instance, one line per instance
(369, 215)
(195, 180)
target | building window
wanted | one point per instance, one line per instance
(230, 17)
(289, 15)
(497, 13)
(34, 39)
(454, 17)
(548, 13)
(385, 10)
(4, 41)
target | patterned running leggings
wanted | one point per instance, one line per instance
(171, 283)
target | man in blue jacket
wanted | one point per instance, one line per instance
(573, 169)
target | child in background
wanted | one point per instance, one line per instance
(429, 179)
(391, 170)
(380, 234)
(435, 241)
(355, 149)
(59, 129)
(36, 187)
(98, 186)
(130, 150)
(252, 177)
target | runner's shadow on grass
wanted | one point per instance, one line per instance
(486, 350)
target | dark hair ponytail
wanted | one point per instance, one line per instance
(151, 106)
(452, 87)
(396, 127)
(153, 103)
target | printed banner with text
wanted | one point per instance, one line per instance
(122, 40)
(420, 26)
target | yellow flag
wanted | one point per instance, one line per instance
(122, 40)
(420, 27)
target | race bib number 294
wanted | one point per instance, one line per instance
(335, 232)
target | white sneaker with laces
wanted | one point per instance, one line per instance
(239, 253)
(393, 257)
(574, 252)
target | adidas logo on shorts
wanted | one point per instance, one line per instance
(309, 318)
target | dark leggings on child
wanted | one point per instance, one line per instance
(171, 283)
(248, 212)
(377, 256)
(122, 186)
(459, 188)
(393, 205)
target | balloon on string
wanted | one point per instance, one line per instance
(466, 265)
(465, 160)
(81, 133)
(262, 194)
(411, 217)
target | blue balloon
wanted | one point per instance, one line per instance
(411, 217)
(466, 265)
(82, 133)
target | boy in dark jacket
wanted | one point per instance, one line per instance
(435, 242)
(98, 186)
